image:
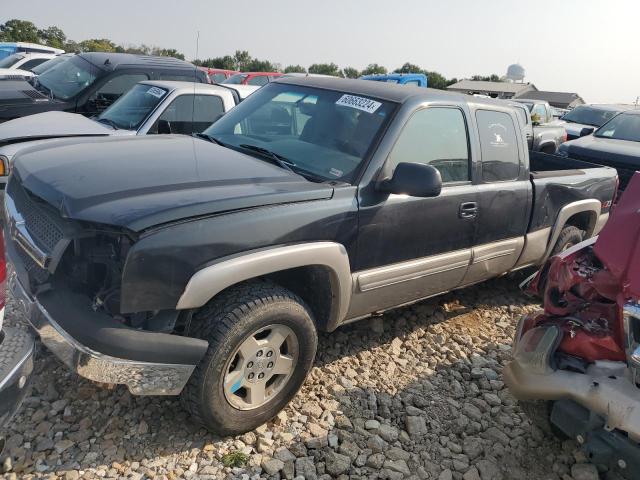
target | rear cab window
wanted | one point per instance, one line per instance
(498, 146)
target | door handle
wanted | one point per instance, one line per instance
(468, 210)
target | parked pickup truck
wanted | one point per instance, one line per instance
(88, 83)
(181, 265)
(150, 107)
(542, 135)
(585, 119)
(616, 144)
(575, 365)
(415, 79)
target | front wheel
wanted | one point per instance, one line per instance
(262, 343)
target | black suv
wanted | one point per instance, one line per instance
(88, 83)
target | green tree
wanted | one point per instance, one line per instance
(19, 31)
(295, 69)
(409, 68)
(374, 69)
(351, 72)
(52, 36)
(325, 69)
(227, 62)
(71, 46)
(241, 60)
(97, 45)
(167, 52)
(256, 65)
(436, 80)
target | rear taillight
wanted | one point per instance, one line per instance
(564, 136)
(3, 272)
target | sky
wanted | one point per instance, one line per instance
(585, 46)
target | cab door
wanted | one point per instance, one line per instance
(503, 195)
(409, 247)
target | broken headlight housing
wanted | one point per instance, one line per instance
(534, 350)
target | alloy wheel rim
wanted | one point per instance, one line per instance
(260, 367)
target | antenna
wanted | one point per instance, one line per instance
(195, 80)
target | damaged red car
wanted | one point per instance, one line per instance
(576, 364)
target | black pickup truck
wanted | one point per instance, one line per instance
(88, 83)
(205, 266)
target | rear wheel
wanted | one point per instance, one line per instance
(569, 236)
(262, 343)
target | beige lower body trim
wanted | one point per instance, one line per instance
(535, 246)
(493, 259)
(602, 220)
(385, 287)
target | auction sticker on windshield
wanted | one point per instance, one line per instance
(361, 103)
(156, 92)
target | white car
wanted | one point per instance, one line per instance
(20, 64)
(150, 107)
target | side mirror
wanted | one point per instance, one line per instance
(587, 131)
(414, 179)
(164, 127)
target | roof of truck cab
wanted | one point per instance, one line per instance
(243, 91)
(111, 61)
(392, 92)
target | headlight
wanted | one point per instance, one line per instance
(535, 348)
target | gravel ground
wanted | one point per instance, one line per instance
(416, 393)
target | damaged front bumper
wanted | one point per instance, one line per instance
(599, 408)
(103, 350)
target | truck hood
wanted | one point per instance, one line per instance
(50, 125)
(11, 72)
(18, 98)
(605, 151)
(618, 245)
(142, 181)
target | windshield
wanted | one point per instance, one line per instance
(236, 79)
(11, 60)
(323, 133)
(67, 79)
(38, 69)
(529, 105)
(622, 127)
(590, 116)
(132, 108)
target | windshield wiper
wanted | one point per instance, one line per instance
(210, 139)
(109, 122)
(39, 86)
(275, 157)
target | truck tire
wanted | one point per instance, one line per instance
(262, 344)
(539, 412)
(569, 236)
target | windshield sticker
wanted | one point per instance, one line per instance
(335, 172)
(156, 92)
(360, 103)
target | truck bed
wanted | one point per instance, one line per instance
(558, 181)
(544, 165)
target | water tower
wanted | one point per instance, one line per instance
(515, 73)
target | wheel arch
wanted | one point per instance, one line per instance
(323, 266)
(582, 214)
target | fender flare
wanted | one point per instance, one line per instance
(207, 282)
(591, 206)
